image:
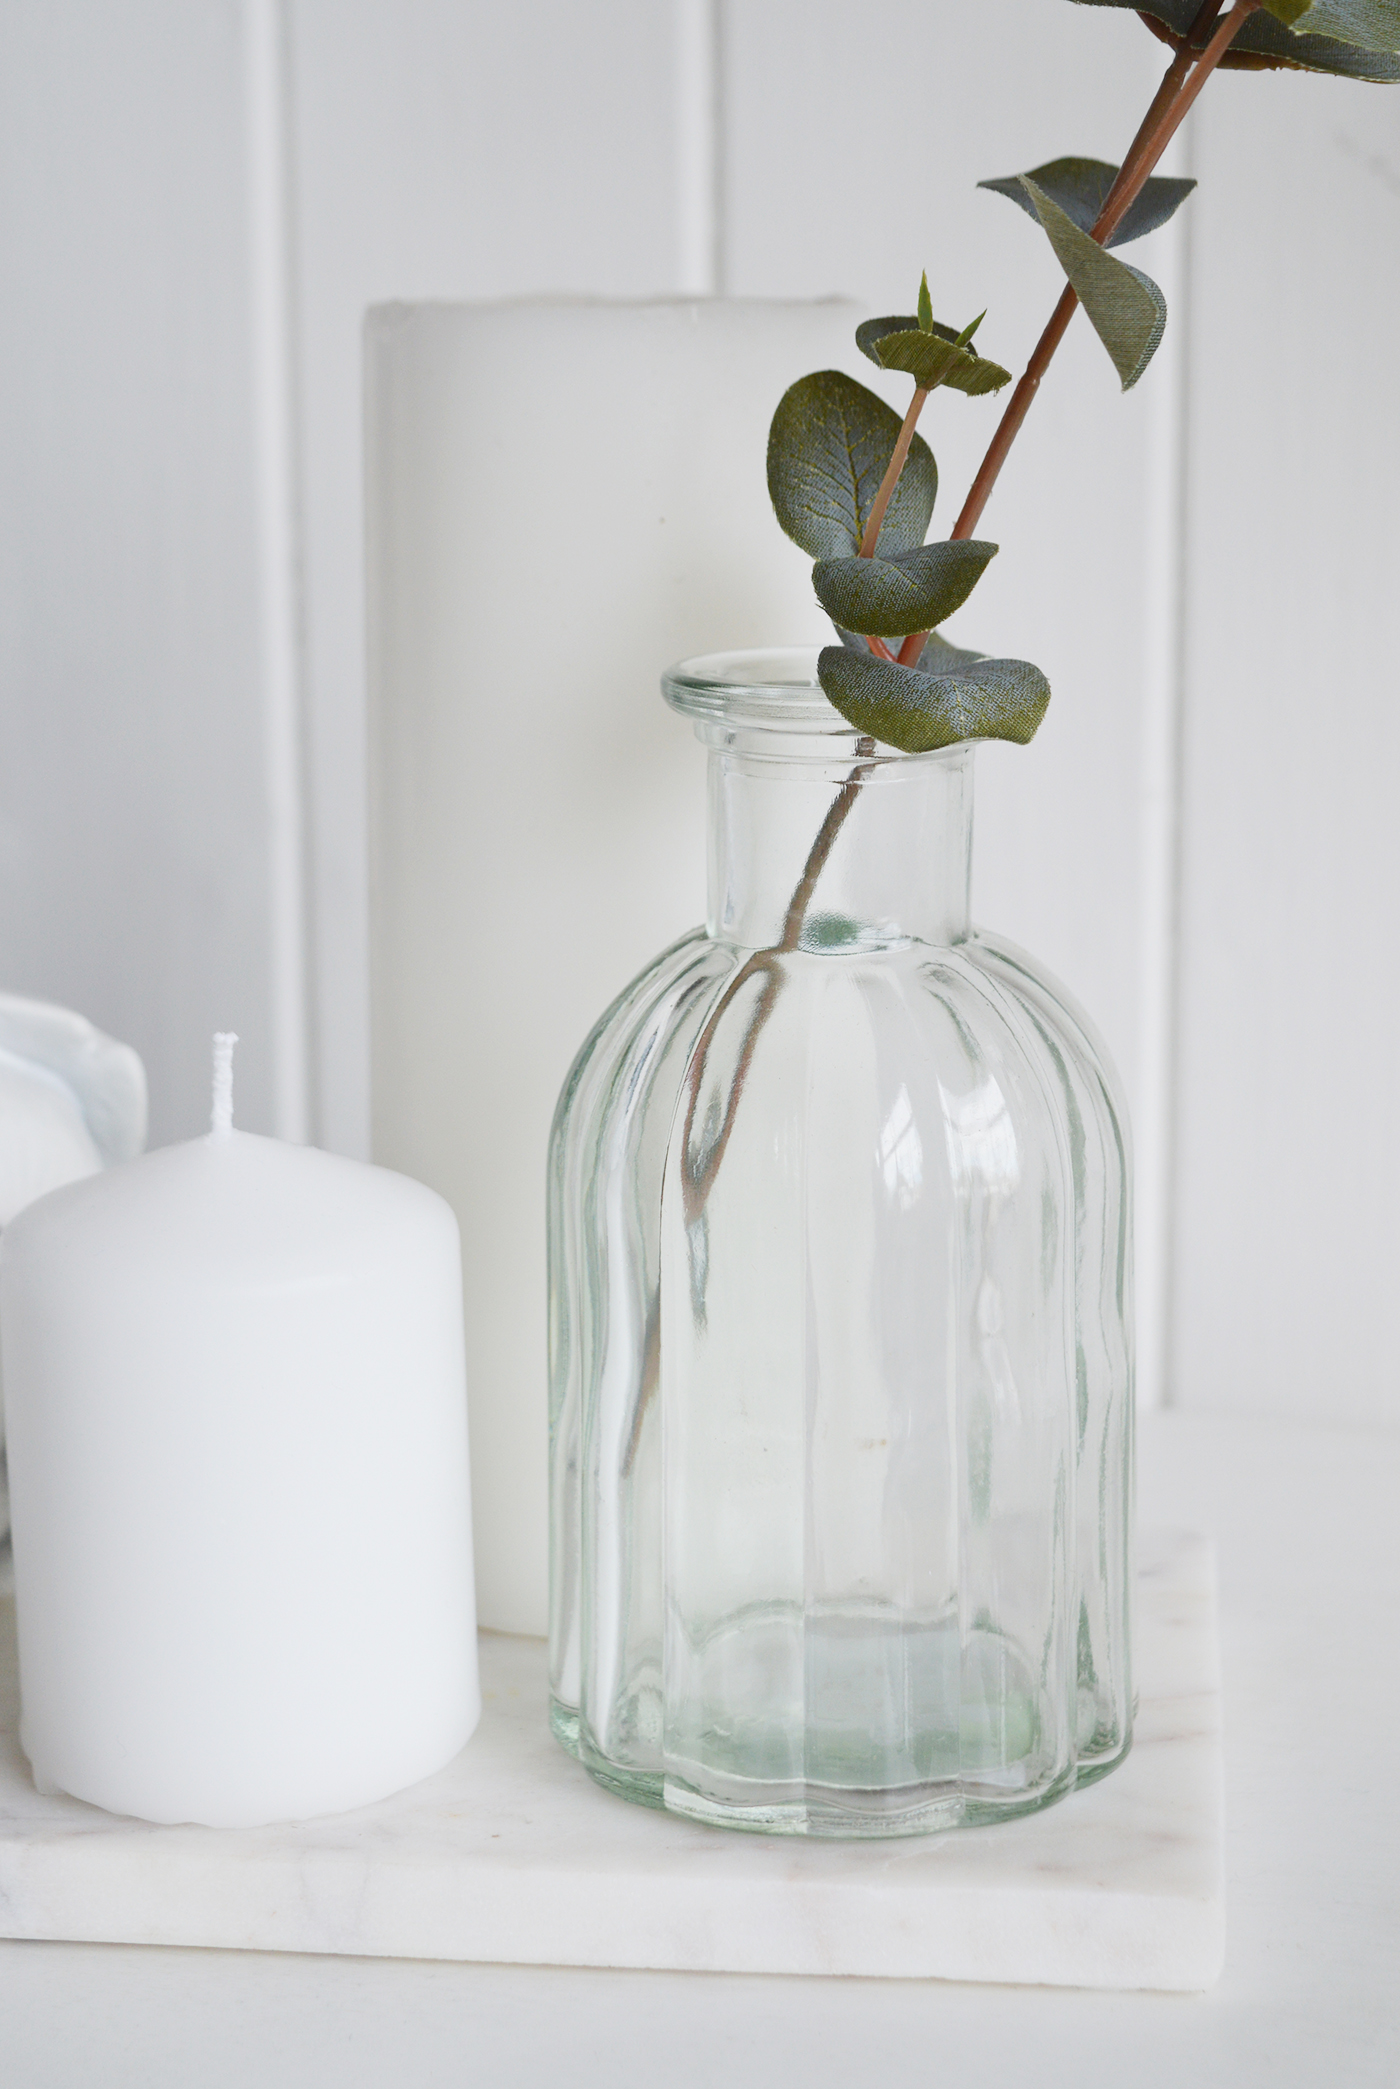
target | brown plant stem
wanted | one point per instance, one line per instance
(1185, 77)
(892, 474)
(1170, 106)
(697, 1184)
(696, 1187)
(893, 471)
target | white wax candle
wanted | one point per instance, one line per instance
(565, 497)
(235, 1395)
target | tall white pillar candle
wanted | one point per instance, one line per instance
(234, 1388)
(564, 498)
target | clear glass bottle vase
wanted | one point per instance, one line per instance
(840, 1322)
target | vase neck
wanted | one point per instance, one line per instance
(899, 861)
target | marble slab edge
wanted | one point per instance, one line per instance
(512, 1855)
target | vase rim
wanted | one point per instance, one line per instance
(773, 686)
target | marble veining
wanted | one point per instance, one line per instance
(512, 1854)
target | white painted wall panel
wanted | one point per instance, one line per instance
(133, 809)
(1288, 1212)
(443, 150)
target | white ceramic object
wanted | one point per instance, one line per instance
(513, 1855)
(71, 1101)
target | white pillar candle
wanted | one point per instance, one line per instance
(564, 498)
(234, 1389)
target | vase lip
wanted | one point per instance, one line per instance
(772, 686)
(776, 689)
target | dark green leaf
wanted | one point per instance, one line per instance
(1125, 308)
(872, 330)
(969, 698)
(1081, 187)
(925, 305)
(907, 592)
(932, 357)
(1373, 25)
(828, 448)
(941, 657)
(1264, 41)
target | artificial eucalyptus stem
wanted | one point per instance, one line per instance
(1184, 78)
(1183, 81)
(1187, 52)
(892, 472)
(696, 1184)
(801, 488)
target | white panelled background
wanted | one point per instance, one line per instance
(199, 198)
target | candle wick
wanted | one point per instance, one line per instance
(221, 1123)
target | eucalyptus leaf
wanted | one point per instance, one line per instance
(906, 707)
(828, 448)
(1374, 25)
(941, 657)
(1081, 187)
(1125, 308)
(1264, 41)
(907, 592)
(932, 356)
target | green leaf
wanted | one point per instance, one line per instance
(909, 592)
(828, 448)
(932, 357)
(1081, 187)
(925, 305)
(1126, 309)
(1264, 41)
(1373, 25)
(969, 698)
(941, 657)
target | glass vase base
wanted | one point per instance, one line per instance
(563, 1724)
(642, 1787)
(845, 1816)
(1099, 1766)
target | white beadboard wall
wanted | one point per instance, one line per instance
(135, 801)
(1287, 1193)
(200, 197)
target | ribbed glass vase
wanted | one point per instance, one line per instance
(841, 1322)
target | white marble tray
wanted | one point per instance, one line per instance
(513, 1854)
